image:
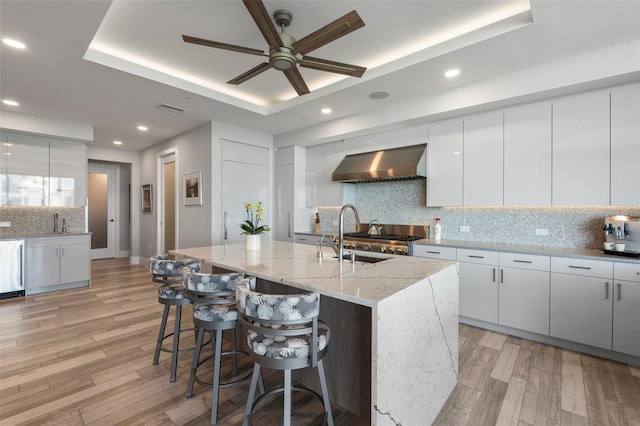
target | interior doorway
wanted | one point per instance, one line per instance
(167, 230)
(101, 208)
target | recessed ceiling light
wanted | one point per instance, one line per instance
(13, 43)
(379, 94)
(143, 128)
(10, 102)
(117, 142)
(326, 110)
(452, 73)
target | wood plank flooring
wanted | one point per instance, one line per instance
(83, 357)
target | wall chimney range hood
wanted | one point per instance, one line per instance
(408, 162)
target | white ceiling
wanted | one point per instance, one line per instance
(109, 64)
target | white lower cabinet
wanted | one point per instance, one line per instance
(524, 292)
(505, 288)
(626, 308)
(57, 261)
(478, 276)
(581, 301)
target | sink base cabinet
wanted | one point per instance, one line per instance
(56, 263)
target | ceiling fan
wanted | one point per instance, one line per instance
(285, 52)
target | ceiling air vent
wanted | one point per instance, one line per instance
(171, 108)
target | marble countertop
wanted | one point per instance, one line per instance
(297, 265)
(592, 254)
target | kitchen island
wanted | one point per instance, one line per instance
(393, 354)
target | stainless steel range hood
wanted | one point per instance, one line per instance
(408, 162)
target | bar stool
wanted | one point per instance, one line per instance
(214, 310)
(168, 272)
(284, 333)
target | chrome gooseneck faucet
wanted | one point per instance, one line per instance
(341, 228)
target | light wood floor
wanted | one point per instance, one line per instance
(83, 356)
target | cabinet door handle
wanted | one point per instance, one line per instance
(57, 251)
(501, 275)
(476, 256)
(606, 290)
(579, 267)
(522, 261)
(494, 275)
(62, 251)
(21, 266)
(619, 292)
(225, 225)
(437, 252)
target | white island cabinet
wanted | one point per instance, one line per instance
(394, 324)
(58, 262)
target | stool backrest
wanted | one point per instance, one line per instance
(281, 315)
(167, 271)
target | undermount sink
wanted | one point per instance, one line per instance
(361, 258)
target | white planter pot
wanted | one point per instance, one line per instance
(252, 242)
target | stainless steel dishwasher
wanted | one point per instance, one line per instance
(12, 256)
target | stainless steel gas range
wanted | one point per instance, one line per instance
(390, 239)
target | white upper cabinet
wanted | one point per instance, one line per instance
(527, 155)
(483, 160)
(625, 146)
(38, 171)
(444, 164)
(67, 174)
(322, 160)
(581, 146)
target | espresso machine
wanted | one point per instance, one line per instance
(622, 235)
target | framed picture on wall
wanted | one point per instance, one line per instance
(147, 198)
(192, 186)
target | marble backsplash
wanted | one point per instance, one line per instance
(39, 220)
(403, 202)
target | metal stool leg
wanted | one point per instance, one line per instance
(176, 344)
(196, 360)
(252, 393)
(286, 421)
(163, 325)
(325, 393)
(216, 376)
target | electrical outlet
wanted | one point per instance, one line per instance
(5, 224)
(542, 231)
(465, 229)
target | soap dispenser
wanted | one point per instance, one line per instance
(437, 229)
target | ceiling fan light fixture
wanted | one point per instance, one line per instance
(282, 61)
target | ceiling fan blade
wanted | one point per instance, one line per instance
(336, 29)
(251, 73)
(296, 80)
(226, 46)
(332, 66)
(263, 21)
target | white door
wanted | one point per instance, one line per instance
(244, 179)
(101, 196)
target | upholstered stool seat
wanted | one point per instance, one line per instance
(214, 311)
(284, 333)
(168, 272)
